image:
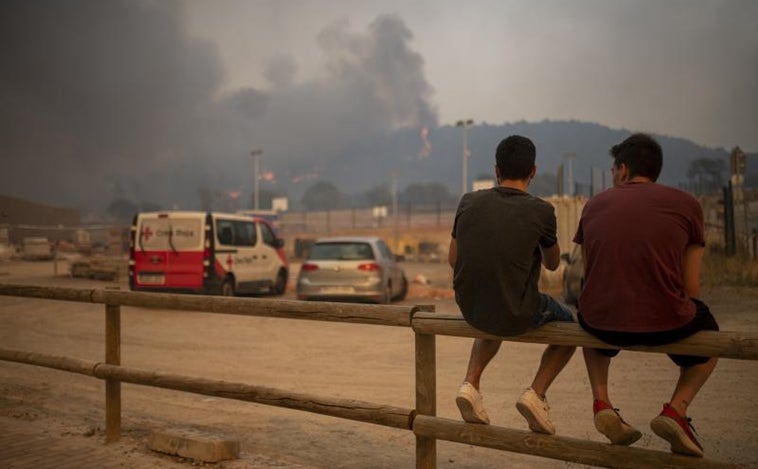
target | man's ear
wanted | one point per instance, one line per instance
(497, 173)
(534, 171)
(624, 170)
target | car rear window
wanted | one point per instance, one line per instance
(341, 251)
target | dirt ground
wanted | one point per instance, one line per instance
(371, 363)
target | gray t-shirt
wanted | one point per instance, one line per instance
(498, 233)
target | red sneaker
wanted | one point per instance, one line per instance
(678, 431)
(608, 421)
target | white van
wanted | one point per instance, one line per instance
(206, 252)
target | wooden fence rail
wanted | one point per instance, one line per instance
(738, 345)
(389, 416)
(422, 420)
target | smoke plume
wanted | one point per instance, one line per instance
(103, 99)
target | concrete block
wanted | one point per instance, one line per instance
(195, 445)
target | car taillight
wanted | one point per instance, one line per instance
(372, 267)
(309, 267)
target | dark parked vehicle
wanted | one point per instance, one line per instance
(351, 268)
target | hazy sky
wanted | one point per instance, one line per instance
(686, 68)
(149, 98)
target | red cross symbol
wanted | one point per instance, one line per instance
(146, 233)
(229, 261)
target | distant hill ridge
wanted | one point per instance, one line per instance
(589, 142)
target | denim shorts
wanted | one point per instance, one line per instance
(551, 310)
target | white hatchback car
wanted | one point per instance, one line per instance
(351, 269)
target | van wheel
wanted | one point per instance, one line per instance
(227, 288)
(281, 282)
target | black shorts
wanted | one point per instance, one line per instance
(703, 321)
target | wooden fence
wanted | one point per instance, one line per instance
(422, 420)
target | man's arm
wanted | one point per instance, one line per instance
(693, 261)
(452, 253)
(551, 257)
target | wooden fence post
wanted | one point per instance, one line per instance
(112, 387)
(426, 393)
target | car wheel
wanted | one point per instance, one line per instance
(387, 296)
(227, 288)
(403, 290)
(281, 282)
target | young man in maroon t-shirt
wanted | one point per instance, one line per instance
(643, 246)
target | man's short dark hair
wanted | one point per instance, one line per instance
(641, 154)
(515, 157)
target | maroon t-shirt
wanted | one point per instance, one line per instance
(634, 238)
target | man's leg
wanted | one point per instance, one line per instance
(672, 423)
(597, 370)
(469, 399)
(694, 371)
(482, 351)
(607, 419)
(532, 404)
(554, 359)
(691, 379)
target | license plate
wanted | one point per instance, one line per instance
(338, 290)
(151, 279)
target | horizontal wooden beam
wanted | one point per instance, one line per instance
(725, 344)
(350, 409)
(386, 415)
(72, 365)
(382, 315)
(556, 447)
(82, 295)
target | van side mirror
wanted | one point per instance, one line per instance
(279, 243)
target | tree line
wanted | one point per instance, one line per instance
(705, 175)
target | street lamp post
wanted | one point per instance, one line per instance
(256, 175)
(394, 212)
(464, 164)
(571, 185)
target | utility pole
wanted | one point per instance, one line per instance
(464, 165)
(256, 154)
(395, 213)
(738, 178)
(571, 186)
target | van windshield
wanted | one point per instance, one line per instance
(170, 234)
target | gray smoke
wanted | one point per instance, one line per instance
(374, 84)
(381, 67)
(114, 99)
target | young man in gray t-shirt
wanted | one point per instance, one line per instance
(500, 239)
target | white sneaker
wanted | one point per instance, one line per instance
(471, 405)
(534, 409)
